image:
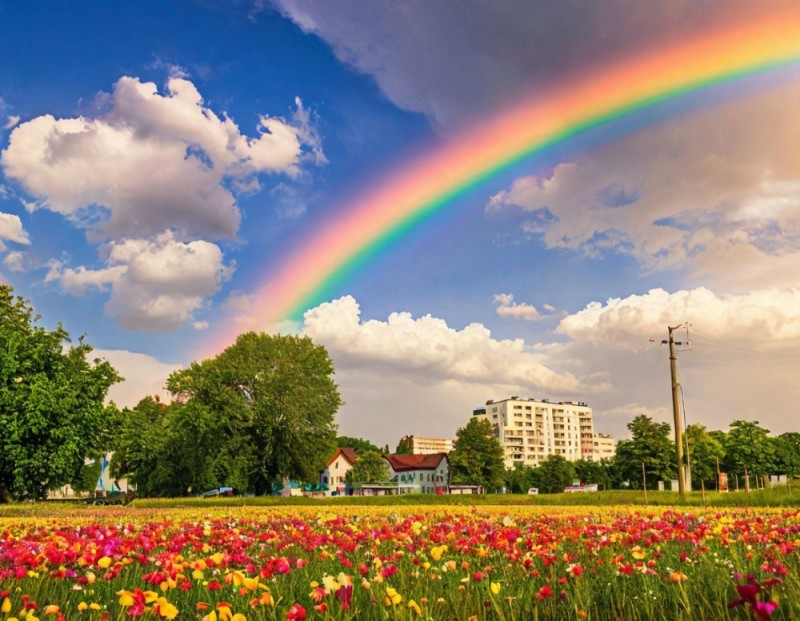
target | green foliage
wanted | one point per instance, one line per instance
(519, 479)
(477, 456)
(650, 445)
(554, 474)
(600, 472)
(748, 445)
(360, 445)
(404, 447)
(370, 467)
(704, 451)
(261, 411)
(787, 453)
(52, 412)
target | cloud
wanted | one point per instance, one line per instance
(15, 261)
(455, 62)
(506, 307)
(156, 285)
(144, 376)
(11, 230)
(700, 194)
(152, 162)
(429, 350)
(740, 361)
(765, 316)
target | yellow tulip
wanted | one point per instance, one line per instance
(5, 607)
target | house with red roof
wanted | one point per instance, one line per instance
(419, 474)
(336, 469)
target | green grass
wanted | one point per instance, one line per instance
(777, 497)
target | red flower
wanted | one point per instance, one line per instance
(544, 592)
(295, 612)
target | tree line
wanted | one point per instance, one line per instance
(264, 410)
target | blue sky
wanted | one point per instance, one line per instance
(160, 158)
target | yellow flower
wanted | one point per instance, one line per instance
(392, 597)
(494, 587)
(330, 584)
(104, 562)
(165, 609)
(638, 553)
(211, 616)
(90, 577)
(5, 607)
(197, 574)
(95, 606)
(238, 617)
(52, 609)
(436, 553)
(125, 598)
(415, 607)
(677, 576)
(83, 606)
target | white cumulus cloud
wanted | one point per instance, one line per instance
(155, 284)
(714, 194)
(432, 351)
(151, 162)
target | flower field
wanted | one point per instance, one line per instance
(232, 564)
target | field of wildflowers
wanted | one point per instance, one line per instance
(441, 563)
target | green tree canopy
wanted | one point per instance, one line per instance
(599, 472)
(554, 474)
(748, 445)
(704, 451)
(650, 444)
(404, 447)
(519, 479)
(787, 453)
(52, 412)
(360, 445)
(370, 467)
(273, 401)
(477, 456)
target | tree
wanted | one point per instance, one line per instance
(359, 445)
(650, 445)
(404, 447)
(273, 401)
(52, 412)
(748, 445)
(599, 472)
(554, 474)
(704, 451)
(519, 479)
(787, 453)
(477, 456)
(370, 467)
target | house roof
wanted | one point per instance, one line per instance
(401, 463)
(348, 453)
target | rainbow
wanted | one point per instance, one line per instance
(328, 257)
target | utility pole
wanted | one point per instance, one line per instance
(676, 411)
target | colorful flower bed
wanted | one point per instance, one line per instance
(385, 563)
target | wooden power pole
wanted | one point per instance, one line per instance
(676, 411)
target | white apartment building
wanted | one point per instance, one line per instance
(530, 430)
(604, 447)
(428, 446)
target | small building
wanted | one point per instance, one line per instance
(427, 446)
(336, 469)
(419, 474)
(466, 489)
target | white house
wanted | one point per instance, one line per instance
(419, 474)
(337, 467)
